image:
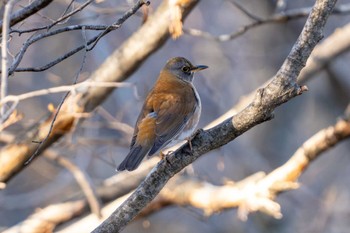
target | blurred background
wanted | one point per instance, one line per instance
(237, 67)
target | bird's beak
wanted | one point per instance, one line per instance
(198, 68)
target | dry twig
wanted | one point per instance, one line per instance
(81, 178)
(4, 60)
(277, 18)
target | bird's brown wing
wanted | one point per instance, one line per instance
(173, 112)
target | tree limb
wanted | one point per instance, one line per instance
(281, 89)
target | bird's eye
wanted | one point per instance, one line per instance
(186, 69)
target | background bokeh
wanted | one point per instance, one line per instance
(237, 67)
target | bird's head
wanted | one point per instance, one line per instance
(182, 68)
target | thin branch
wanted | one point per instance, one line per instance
(281, 89)
(277, 18)
(41, 143)
(60, 30)
(4, 60)
(245, 11)
(64, 17)
(78, 88)
(12, 119)
(20, 15)
(81, 178)
(114, 26)
(67, 16)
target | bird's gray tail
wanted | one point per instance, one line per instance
(133, 159)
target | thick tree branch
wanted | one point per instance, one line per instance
(282, 88)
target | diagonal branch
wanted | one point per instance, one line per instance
(281, 89)
(82, 179)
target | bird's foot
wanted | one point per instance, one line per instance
(189, 139)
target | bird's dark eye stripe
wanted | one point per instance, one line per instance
(186, 69)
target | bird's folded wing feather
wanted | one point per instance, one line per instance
(172, 116)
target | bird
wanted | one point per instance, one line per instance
(169, 114)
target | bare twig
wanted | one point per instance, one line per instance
(4, 60)
(281, 89)
(59, 30)
(67, 16)
(81, 178)
(79, 88)
(62, 19)
(61, 103)
(277, 18)
(114, 26)
(13, 118)
(245, 11)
